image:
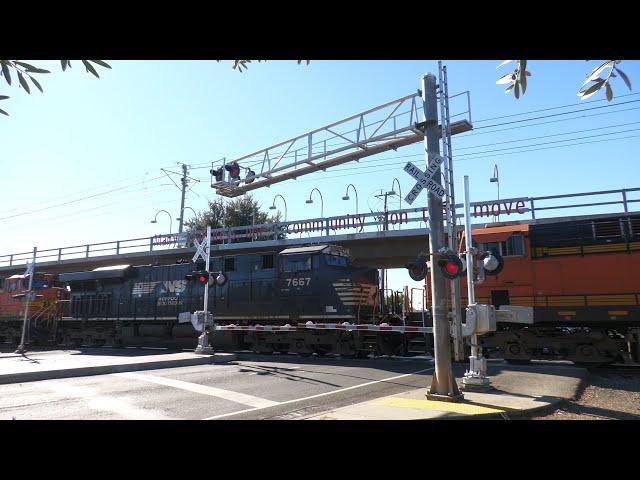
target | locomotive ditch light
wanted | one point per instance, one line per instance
(234, 170)
(451, 266)
(492, 262)
(418, 270)
(218, 174)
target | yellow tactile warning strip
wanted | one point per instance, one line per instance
(464, 408)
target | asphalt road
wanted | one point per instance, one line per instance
(254, 387)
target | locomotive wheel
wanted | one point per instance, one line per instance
(321, 351)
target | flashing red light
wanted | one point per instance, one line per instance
(451, 268)
(234, 170)
(202, 278)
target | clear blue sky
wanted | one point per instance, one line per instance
(86, 136)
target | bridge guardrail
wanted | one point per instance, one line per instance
(358, 223)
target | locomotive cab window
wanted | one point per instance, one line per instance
(296, 264)
(513, 246)
(267, 261)
(335, 261)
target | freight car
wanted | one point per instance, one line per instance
(582, 278)
(146, 305)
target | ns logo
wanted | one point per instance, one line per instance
(173, 286)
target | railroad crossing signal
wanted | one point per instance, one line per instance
(451, 266)
(425, 179)
(234, 170)
(492, 262)
(418, 270)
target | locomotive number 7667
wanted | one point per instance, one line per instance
(298, 282)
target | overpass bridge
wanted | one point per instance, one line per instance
(389, 239)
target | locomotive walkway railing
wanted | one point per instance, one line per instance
(410, 219)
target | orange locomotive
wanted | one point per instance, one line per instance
(45, 309)
(581, 275)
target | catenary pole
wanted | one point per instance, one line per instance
(22, 347)
(443, 384)
(184, 190)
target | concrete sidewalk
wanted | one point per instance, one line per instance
(517, 391)
(50, 364)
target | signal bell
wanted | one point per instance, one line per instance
(451, 266)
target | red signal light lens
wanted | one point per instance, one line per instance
(202, 279)
(451, 268)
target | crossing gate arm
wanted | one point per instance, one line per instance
(349, 327)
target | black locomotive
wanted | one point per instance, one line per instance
(150, 304)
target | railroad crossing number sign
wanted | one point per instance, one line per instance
(424, 179)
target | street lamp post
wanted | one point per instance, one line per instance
(194, 213)
(496, 179)
(346, 195)
(155, 220)
(393, 192)
(321, 201)
(273, 205)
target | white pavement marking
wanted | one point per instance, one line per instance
(236, 397)
(320, 394)
(101, 402)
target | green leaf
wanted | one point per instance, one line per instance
(3, 97)
(101, 63)
(504, 63)
(36, 83)
(523, 82)
(609, 92)
(509, 88)
(3, 112)
(624, 77)
(90, 68)
(64, 64)
(505, 79)
(596, 71)
(523, 66)
(516, 91)
(24, 83)
(5, 72)
(592, 89)
(31, 68)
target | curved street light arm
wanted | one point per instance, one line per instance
(356, 192)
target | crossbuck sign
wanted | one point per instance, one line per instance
(424, 179)
(200, 250)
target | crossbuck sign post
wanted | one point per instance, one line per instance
(425, 180)
(203, 341)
